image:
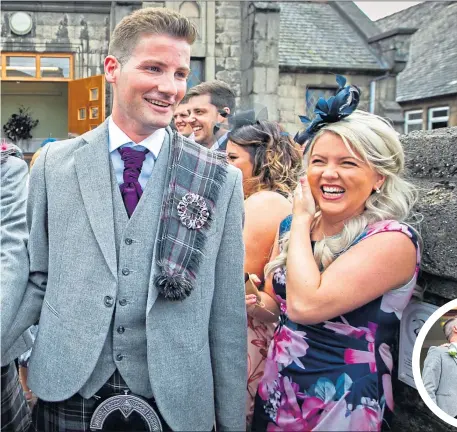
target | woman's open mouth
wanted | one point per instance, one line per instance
(332, 192)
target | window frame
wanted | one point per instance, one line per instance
(37, 57)
(432, 120)
(416, 121)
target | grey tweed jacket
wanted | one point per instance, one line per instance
(13, 250)
(440, 379)
(196, 348)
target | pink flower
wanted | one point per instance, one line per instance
(386, 355)
(285, 348)
(344, 329)
(366, 417)
(289, 346)
(352, 356)
(388, 392)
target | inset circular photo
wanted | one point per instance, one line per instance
(435, 363)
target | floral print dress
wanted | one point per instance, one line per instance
(336, 375)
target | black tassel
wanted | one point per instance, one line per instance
(173, 287)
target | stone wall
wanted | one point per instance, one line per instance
(432, 165)
(292, 94)
(83, 32)
(228, 44)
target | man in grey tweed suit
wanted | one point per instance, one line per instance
(440, 371)
(136, 257)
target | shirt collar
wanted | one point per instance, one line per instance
(118, 138)
(218, 142)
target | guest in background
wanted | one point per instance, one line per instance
(440, 371)
(15, 414)
(347, 270)
(181, 119)
(270, 163)
(211, 103)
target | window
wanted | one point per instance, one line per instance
(413, 121)
(93, 112)
(82, 114)
(197, 67)
(438, 118)
(312, 96)
(93, 94)
(36, 67)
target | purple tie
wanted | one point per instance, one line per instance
(131, 189)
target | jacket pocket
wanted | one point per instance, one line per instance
(51, 308)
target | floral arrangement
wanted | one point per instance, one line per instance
(20, 125)
(452, 351)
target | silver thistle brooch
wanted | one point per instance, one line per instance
(193, 211)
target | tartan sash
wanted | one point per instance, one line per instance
(195, 177)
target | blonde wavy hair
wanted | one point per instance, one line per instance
(377, 143)
(276, 158)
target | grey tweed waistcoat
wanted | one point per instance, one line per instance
(125, 346)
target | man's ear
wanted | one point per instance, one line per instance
(224, 113)
(112, 67)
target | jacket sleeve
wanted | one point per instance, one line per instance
(14, 235)
(228, 322)
(30, 307)
(431, 374)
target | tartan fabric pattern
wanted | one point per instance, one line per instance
(15, 412)
(194, 169)
(74, 414)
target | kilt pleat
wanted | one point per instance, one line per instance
(15, 412)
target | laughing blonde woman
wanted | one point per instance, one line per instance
(345, 269)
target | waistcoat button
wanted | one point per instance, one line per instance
(128, 241)
(119, 357)
(120, 329)
(122, 302)
(108, 300)
(125, 271)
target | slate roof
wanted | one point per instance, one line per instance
(431, 69)
(412, 17)
(314, 34)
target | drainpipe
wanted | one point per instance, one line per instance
(373, 91)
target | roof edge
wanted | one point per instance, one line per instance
(393, 32)
(327, 69)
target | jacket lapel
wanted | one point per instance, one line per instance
(93, 170)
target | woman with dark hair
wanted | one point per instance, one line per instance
(270, 163)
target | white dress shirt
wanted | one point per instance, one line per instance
(117, 139)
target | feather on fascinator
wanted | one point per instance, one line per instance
(343, 104)
(8, 149)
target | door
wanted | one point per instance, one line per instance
(86, 104)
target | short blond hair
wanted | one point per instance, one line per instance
(149, 21)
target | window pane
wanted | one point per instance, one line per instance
(20, 66)
(82, 114)
(93, 113)
(440, 113)
(93, 94)
(55, 67)
(414, 127)
(437, 125)
(414, 116)
(196, 76)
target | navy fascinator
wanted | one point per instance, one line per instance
(343, 104)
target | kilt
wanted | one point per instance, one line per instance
(74, 414)
(15, 412)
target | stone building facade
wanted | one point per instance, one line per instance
(256, 47)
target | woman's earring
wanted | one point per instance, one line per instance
(378, 191)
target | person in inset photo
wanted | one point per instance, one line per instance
(439, 373)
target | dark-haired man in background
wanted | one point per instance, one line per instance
(210, 105)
